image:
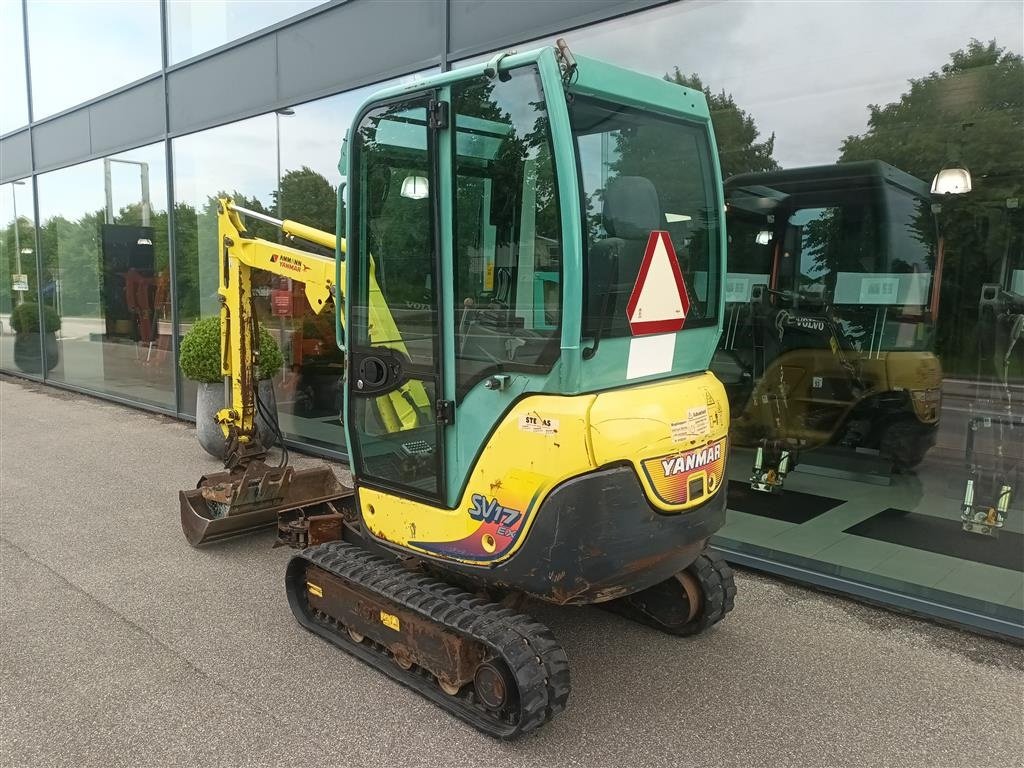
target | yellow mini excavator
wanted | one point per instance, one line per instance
(528, 299)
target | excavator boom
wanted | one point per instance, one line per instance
(251, 495)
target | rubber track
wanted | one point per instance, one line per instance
(719, 588)
(537, 662)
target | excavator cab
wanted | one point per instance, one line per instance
(465, 207)
(529, 297)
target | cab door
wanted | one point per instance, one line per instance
(395, 410)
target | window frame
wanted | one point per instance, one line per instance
(552, 350)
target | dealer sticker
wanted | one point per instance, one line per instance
(533, 422)
(695, 424)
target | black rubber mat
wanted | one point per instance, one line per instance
(942, 536)
(790, 506)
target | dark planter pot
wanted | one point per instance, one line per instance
(27, 350)
(210, 399)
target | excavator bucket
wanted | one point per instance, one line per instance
(228, 504)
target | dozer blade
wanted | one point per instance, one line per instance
(228, 504)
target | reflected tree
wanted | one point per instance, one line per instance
(11, 241)
(968, 113)
(736, 133)
(307, 197)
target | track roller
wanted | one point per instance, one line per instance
(686, 604)
(498, 670)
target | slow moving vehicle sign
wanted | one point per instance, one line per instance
(659, 302)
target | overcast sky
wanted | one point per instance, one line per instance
(805, 70)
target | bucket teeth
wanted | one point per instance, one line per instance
(229, 504)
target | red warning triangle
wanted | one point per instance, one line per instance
(659, 302)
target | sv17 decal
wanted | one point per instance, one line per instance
(490, 511)
(495, 530)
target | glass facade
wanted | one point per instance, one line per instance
(197, 26)
(14, 100)
(116, 43)
(106, 275)
(873, 163)
(301, 184)
(873, 351)
(21, 341)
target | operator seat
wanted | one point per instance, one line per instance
(631, 212)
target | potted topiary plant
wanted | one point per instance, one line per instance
(199, 359)
(29, 342)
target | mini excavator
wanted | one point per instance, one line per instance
(528, 299)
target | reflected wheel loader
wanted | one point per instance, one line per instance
(501, 445)
(832, 294)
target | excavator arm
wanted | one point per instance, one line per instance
(241, 255)
(305, 504)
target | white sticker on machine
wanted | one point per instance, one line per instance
(649, 355)
(696, 424)
(534, 422)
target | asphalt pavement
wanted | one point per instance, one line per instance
(122, 646)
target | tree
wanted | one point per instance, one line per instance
(736, 133)
(11, 242)
(969, 113)
(308, 197)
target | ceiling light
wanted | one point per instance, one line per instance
(951, 181)
(415, 187)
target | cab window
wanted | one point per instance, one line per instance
(508, 239)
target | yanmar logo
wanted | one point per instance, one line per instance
(675, 465)
(288, 263)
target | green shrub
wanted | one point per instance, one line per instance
(271, 358)
(199, 355)
(25, 318)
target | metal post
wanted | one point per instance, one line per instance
(446, 43)
(35, 189)
(277, 147)
(17, 240)
(108, 190)
(172, 257)
(146, 202)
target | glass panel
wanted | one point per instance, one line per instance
(14, 104)
(922, 295)
(394, 312)
(20, 340)
(196, 26)
(114, 43)
(628, 195)
(104, 245)
(236, 161)
(300, 147)
(508, 250)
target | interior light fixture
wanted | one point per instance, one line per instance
(951, 181)
(143, 241)
(763, 237)
(673, 217)
(415, 187)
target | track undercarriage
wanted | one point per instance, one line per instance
(491, 666)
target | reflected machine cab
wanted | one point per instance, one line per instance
(831, 299)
